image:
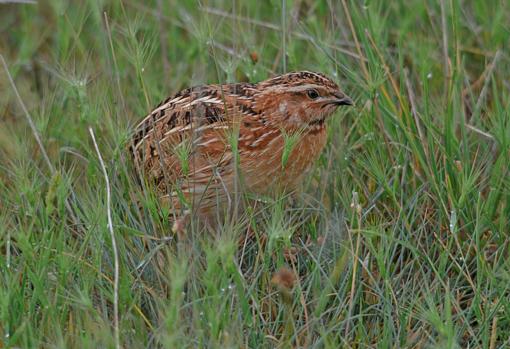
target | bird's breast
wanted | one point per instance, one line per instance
(275, 162)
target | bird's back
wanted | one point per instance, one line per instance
(184, 144)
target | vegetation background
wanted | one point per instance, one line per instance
(399, 237)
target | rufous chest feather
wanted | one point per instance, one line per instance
(282, 162)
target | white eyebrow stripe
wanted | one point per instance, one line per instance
(302, 88)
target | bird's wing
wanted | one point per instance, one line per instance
(190, 134)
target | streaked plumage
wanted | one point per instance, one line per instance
(185, 145)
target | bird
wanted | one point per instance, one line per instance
(204, 145)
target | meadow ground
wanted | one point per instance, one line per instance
(399, 236)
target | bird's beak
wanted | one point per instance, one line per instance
(342, 99)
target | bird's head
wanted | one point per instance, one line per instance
(299, 100)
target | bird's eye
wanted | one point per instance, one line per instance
(312, 94)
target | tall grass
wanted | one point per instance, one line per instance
(398, 237)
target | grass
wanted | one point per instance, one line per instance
(398, 238)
